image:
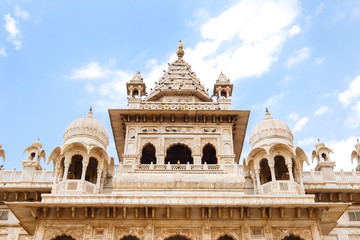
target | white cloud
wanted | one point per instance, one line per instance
(271, 101)
(300, 124)
(106, 87)
(342, 152)
(307, 141)
(319, 60)
(349, 95)
(322, 110)
(21, 13)
(249, 34)
(242, 41)
(300, 55)
(2, 52)
(294, 30)
(353, 121)
(11, 26)
(293, 116)
(319, 8)
(91, 71)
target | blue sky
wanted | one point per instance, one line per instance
(301, 59)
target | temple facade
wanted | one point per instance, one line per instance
(179, 175)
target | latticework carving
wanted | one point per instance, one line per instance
(191, 233)
(280, 233)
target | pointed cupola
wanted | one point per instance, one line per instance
(179, 82)
(135, 90)
(223, 91)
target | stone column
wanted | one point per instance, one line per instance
(258, 181)
(85, 164)
(197, 160)
(272, 170)
(56, 173)
(67, 162)
(99, 173)
(160, 160)
(254, 180)
(289, 166)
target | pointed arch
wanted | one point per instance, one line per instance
(265, 173)
(209, 154)
(129, 237)
(225, 237)
(177, 237)
(292, 237)
(179, 152)
(75, 168)
(148, 154)
(91, 170)
(281, 170)
(63, 237)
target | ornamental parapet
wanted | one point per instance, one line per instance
(8, 176)
(184, 168)
(180, 105)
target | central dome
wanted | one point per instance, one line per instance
(87, 130)
(270, 130)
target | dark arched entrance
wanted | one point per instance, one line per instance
(209, 155)
(281, 170)
(226, 237)
(177, 237)
(63, 237)
(148, 154)
(129, 237)
(292, 237)
(178, 153)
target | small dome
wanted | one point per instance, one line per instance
(269, 129)
(87, 130)
(319, 144)
(222, 78)
(37, 144)
(136, 78)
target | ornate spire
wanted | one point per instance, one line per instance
(180, 52)
(90, 114)
(267, 114)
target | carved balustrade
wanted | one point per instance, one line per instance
(281, 187)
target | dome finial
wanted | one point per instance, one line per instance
(90, 114)
(267, 114)
(180, 52)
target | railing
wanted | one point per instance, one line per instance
(176, 167)
(18, 176)
(341, 176)
(281, 187)
(74, 187)
(177, 106)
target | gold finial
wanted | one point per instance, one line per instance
(180, 52)
(267, 114)
(90, 114)
(178, 163)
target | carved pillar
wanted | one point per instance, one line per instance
(197, 160)
(301, 181)
(160, 160)
(289, 166)
(56, 173)
(99, 173)
(272, 171)
(258, 181)
(85, 163)
(66, 168)
(254, 180)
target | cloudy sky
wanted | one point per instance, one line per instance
(301, 59)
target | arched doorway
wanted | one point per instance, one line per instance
(265, 173)
(209, 155)
(178, 153)
(281, 170)
(63, 237)
(226, 237)
(177, 237)
(91, 171)
(129, 237)
(292, 237)
(148, 154)
(75, 168)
